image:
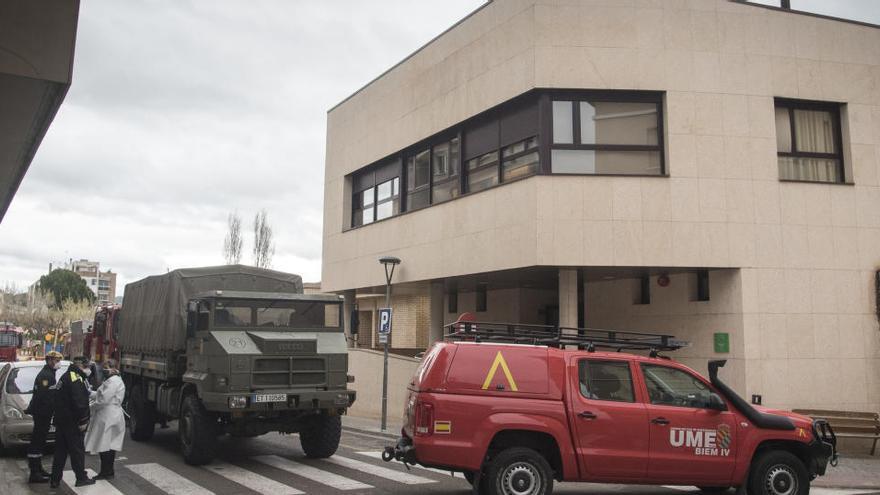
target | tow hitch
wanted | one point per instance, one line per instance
(403, 452)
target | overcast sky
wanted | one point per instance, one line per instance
(183, 111)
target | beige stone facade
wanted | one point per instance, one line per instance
(791, 264)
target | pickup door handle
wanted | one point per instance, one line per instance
(587, 415)
(660, 421)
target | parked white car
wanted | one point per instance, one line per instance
(16, 387)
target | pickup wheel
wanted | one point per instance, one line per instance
(519, 471)
(197, 431)
(778, 472)
(320, 437)
(142, 415)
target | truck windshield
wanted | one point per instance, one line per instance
(21, 380)
(283, 314)
(8, 339)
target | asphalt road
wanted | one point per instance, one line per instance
(275, 464)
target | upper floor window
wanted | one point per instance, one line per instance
(607, 133)
(376, 194)
(808, 141)
(445, 170)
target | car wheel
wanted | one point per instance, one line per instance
(519, 471)
(778, 473)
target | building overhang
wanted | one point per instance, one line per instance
(37, 41)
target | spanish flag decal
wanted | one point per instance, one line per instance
(499, 361)
(443, 427)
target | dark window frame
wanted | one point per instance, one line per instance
(627, 96)
(792, 104)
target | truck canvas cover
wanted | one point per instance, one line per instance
(153, 315)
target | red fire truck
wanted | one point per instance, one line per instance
(517, 407)
(99, 339)
(10, 342)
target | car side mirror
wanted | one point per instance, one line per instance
(716, 403)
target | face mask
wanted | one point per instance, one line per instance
(87, 372)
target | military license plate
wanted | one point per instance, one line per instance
(270, 398)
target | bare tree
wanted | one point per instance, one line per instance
(264, 246)
(233, 242)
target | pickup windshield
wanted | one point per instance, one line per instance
(278, 314)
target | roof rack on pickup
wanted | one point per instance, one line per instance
(552, 336)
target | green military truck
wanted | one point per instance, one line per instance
(233, 350)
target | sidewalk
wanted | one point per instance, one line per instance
(361, 424)
(857, 471)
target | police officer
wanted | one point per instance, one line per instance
(41, 408)
(71, 422)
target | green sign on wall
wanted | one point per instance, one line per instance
(722, 342)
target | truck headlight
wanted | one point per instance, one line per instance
(222, 381)
(13, 413)
(237, 402)
(341, 400)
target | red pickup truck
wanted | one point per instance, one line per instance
(516, 407)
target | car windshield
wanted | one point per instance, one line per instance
(283, 314)
(21, 380)
(8, 339)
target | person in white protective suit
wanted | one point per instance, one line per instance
(107, 428)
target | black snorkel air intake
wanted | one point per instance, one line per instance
(759, 419)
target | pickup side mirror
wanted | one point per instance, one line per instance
(715, 403)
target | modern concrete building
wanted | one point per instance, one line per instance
(37, 39)
(704, 168)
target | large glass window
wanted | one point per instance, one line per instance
(520, 159)
(445, 172)
(672, 387)
(607, 135)
(606, 380)
(418, 181)
(808, 141)
(482, 172)
(388, 198)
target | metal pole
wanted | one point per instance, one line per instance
(385, 358)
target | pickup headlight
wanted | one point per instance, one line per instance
(237, 402)
(13, 413)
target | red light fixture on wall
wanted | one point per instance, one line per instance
(663, 280)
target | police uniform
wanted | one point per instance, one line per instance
(41, 408)
(71, 420)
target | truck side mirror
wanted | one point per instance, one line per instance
(354, 322)
(191, 318)
(715, 403)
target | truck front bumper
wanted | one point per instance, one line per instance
(823, 448)
(278, 400)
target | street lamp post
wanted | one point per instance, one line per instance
(386, 261)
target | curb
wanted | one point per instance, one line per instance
(353, 429)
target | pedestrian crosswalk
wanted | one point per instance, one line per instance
(358, 472)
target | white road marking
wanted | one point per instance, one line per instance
(250, 479)
(382, 472)
(101, 487)
(167, 480)
(311, 473)
(378, 455)
(839, 491)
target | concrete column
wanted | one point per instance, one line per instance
(347, 305)
(435, 332)
(568, 297)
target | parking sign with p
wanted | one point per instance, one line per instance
(384, 324)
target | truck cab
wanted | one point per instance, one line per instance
(517, 408)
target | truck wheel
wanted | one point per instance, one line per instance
(519, 471)
(320, 437)
(198, 432)
(778, 473)
(142, 415)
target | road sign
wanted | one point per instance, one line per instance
(384, 324)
